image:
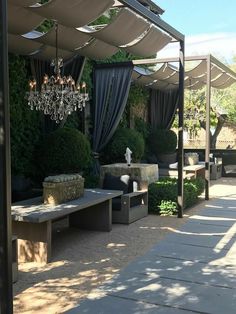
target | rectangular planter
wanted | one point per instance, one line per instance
(191, 160)
(55, 193)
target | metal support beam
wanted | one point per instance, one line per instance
(207, 149)
(180, 200)
(5, 185)
(153, 18)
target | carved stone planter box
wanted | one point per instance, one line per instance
(191, 159)
(144, 173)
(62, 188)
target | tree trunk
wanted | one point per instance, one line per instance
(213, 137)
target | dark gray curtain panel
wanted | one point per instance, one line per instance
(40, 67)
(111, 90)
(163, 106)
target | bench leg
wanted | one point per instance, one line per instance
(96, 217)
(34, 241)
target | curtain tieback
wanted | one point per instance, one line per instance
(95, 155)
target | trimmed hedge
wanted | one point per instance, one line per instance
(115, 150)
(25, 123)
(162, 141)
(162, 195)
(65, 150)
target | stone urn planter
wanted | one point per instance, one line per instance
(62, 188)
(191, 159)
(162, 143)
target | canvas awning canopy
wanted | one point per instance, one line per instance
(127, 30)
(167, 75)
(207, 71)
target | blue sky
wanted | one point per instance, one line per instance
(209, 25)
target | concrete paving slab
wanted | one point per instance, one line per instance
(177, 293)
(211, 275)
(190, 271)
(210, 220)
(116, 305)
(224, 214)
(186, 252)
(200, 228)
(223, 203)
(208, 241)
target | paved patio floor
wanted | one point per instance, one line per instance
(191, 270)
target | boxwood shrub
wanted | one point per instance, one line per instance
(123, 137)
(65, 150)
(162, 195)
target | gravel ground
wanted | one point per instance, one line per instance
(82, 260)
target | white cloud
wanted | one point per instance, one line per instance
(221, 45)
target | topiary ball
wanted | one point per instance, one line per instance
(123, 138)
(162, 141)
(65, 150)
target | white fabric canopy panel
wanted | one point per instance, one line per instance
(215, 72)
(164, 72)
(153, 41)
(49, 53)
(194, 79)
(228, 83)
(198, 70)
(127, 31)
(125, 28)
(68, 38)
(23, 3)
(173, 79)
(190, 81)
(145, 80)
(149, 82)
(222, 80)
(20, 45)
(197, 85)
(73, 13)
(21, 20)
(97, 50)
(135, 76)
(162, 85)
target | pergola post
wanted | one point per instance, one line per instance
(5, 186)
(207, 148)
(180, 199)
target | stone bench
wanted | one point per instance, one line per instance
(32, 220)
(188, 172)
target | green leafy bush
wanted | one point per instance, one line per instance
(25, 123)
(168, 208)
(142, 127)
(162, 195)
(162, 141)
(115, 150)
(64, 151)
(163, 190)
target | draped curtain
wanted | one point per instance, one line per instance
(71, 67)
(163, 106)
(111, 90)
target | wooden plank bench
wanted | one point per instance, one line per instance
(32, 220)
(198, 170)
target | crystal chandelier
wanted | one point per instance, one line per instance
(58, 96)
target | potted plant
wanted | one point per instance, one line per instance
(162, 143)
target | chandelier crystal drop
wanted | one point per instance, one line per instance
(58, 96)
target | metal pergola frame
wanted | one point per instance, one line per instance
(5, 186)
(209, 61)
(5, 174)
